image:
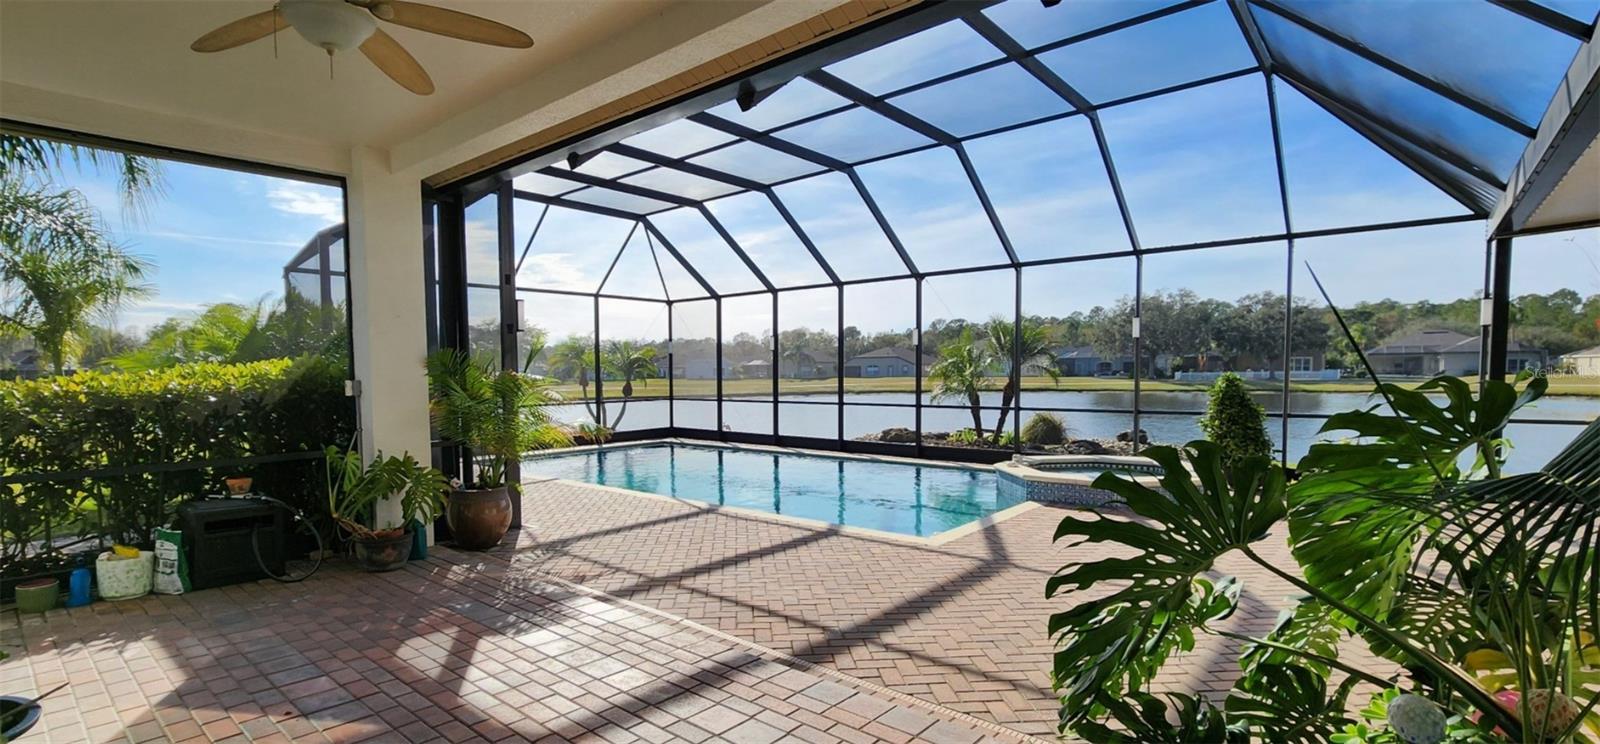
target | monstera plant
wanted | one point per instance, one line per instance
(1481, 587)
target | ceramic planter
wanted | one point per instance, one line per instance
(377, 554)
(124, 578)
(39, 595)
(17, 715)
(479, 518)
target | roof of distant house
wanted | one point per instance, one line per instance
(819, 355)
(892, 352)
(1440, 341)
(699, 356)
(1593, 351)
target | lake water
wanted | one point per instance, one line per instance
(1168, 416)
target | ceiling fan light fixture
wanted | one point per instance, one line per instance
(333, 25)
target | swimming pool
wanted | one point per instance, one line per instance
(905, 498)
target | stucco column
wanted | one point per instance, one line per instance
(387, 310)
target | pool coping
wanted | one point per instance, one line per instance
(1025, 468)
(934, 540)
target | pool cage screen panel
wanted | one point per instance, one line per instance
(869, 179)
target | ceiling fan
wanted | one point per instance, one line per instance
(342, 25)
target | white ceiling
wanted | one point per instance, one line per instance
(64, 61)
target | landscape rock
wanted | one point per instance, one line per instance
(1086, 447)
(898, 435)
(1127, 436)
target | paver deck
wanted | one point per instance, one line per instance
(612, 616)
(960, 624)
(460, 648)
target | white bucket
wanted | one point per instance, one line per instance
(124, 578)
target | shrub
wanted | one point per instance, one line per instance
(1234, 421)
(1044, 428)
(974, 438)
(79, 431)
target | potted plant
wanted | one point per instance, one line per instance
(497, 415)
(354, 490)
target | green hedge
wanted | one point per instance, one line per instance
(186, 415)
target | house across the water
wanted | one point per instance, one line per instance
(1444, 352)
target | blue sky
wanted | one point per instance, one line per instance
(214, 235)
(1196, 165)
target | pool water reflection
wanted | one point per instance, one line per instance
(909, 499)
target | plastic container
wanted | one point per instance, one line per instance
(124, 578)
(78, 587)
(39, 595)
(419, 541)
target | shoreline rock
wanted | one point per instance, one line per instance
(901, 435)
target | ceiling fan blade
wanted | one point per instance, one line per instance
(397, 63)
(451, 23)
(240, 32)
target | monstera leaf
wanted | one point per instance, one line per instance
(1360, 508)
(1144, 719)
(1113, 644)
(1289, 704)
(1311, 628)
(1443, 560)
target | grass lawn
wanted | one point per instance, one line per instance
(1559, 385)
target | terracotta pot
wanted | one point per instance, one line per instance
(385, 553)
(239, 485)
(479, 518)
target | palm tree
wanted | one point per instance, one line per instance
(631, 362)
(499, 415)
(1033, 349)
(220, 334)
(574, 357)
(962, 373)
(58, 269)
(25, 158)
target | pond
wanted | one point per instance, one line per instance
(1168, 416)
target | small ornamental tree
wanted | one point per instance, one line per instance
(1235, 422)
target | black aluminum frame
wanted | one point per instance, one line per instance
(1391, 139)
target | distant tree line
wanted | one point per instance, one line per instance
(1178, 327)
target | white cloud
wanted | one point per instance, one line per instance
(142, 315)
(483, 252)
(208, 239)
(557, 271)
(321, 203)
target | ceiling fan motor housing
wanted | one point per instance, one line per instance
(333, 25)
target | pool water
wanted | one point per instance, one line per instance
(897, 497)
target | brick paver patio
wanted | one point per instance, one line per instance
(460, 648)
(960, 624)
(613, 617)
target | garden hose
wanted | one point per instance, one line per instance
(297, 518)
